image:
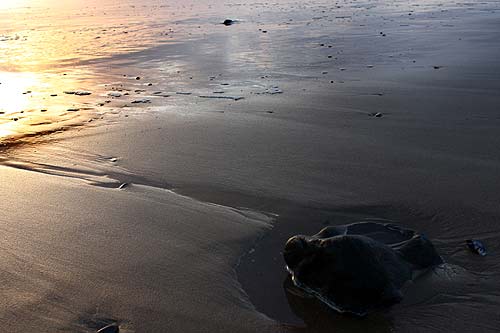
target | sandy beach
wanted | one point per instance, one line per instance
(155, 161)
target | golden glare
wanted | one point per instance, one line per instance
(34, 103)
(6, 4)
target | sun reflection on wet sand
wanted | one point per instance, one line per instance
(49, 48)
(36, 103)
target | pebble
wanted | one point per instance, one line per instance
(234, 98)
(78, 92)
(113, 328)
(476, 247)
(138, 101)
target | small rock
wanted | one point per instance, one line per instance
(228, 22)
(138, 101)
(78, 92)
(113, 328)
(437, 67)
(82, 93)
(476, 247)
(377, 115)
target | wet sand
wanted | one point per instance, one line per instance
(170, 214)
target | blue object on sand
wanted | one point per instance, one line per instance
(476, 246)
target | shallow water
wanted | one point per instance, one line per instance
(50, 47)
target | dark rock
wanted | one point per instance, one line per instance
(476, 247)
(228, 22)
(113, 328)
(358, 267)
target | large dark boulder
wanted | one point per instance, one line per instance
(358, 267)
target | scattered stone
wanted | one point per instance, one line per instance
(53, 95)
(377, 115)
(73, 109)
(115, 94)
(437, 67)
(139, 101)
(476, 247)
(234, 98)
(78, 92)
(183, 93)
(122, 186)
(113, 328)
(228, 22)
